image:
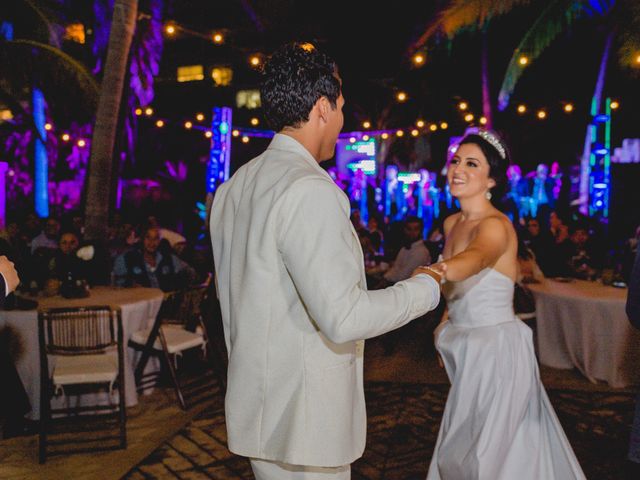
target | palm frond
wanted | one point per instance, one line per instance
(43, 24)
(461, 15)
(628, 22)
(554, 20)
(22, 61)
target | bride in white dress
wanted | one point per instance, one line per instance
(498, 423)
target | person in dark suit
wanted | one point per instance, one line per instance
(633, 312)
(14, 402)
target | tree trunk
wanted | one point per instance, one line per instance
(486, 92)
(104, 132)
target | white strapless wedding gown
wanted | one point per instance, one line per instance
(498, 423)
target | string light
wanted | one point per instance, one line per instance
(522, 109)
(245, 139)
(352, 139)
(138, 111)
(188, 125)
(208, 134)
(468, 117)
(200, 117)
(433, 127)
(414, 133)
(366, 124)
(218, 38)
(160, 123)
(420, 123)
(255, 61)
(235, 133)
(254, 121)
(401, 96)
(483, 120)
(542, 114)
(170, 29)
(81, 143)
(638, 58)
(418, 59)
(148, 111)
(568, 108)
(399, 133)
(384, 136)
(614, 105)
(444, 125)
(65, 137)
(48, 126)
(523, 60)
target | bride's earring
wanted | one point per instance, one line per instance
(488, 195)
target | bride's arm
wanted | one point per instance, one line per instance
(489, 244)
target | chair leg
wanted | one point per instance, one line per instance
(44, 422)
(123, 413)
(172, 371)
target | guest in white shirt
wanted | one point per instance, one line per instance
(413, 253)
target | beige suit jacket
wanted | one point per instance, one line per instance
(295, 309)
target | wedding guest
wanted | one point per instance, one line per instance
(148, 265)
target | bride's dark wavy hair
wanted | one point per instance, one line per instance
(497, 165)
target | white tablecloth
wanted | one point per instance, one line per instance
(139, 309)
(584, 325)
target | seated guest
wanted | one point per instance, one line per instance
(66, 265)
(375, 234)
(584, 262)
(48, 238)
(540, 243)
(413, 253)
(148, 265)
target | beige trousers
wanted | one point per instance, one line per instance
(267, 470)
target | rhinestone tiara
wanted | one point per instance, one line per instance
(493, 140)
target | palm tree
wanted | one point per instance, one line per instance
(104, 133)
(469, 15)
(34, 65)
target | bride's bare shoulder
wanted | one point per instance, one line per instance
(450, 221)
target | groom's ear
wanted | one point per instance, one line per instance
(323, 107)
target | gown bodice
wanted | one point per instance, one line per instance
(482, 300)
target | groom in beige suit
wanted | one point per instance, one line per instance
(291, 282)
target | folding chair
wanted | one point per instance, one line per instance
(178, 327)
(85, 349)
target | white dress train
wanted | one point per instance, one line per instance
(498, 423)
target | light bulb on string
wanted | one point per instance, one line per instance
(420, 123)
(433, 127)
(148, 111)
(138, 111)
(235, 133)
(522, 109)
(170, 29)
(541, 114)
(399, 133)
(366, 124)
(384, 135)
(419, 59)
(200, 117)
(218, 38)
(523, 60)
(401, 97)
(208, 134)
(188, 125)
(254, 121)
(483, 120)
(614, 104)
(245, 139)
(414, 133)
(81, 143)
(463, 106)
(160, 123)
(469, 117)
(568, 108)
(444, 125)
(65, 137)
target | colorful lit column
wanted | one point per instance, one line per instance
(4, 166)
(220, 154)
(600, 164)
(41, 180)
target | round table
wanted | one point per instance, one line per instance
(584, 325)
(139, 308)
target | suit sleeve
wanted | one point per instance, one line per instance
(633, 295)
(317, 246)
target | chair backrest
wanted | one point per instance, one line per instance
(79, 330)
(184, 306)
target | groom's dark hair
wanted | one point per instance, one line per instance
(294, 78)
